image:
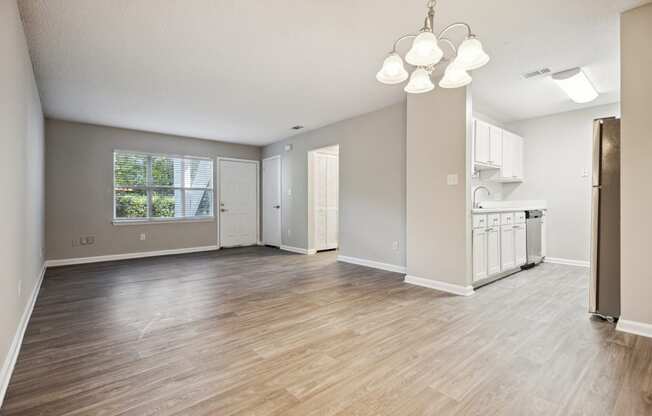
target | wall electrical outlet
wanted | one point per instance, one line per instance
(289, 232)
(90, 240)
(143, 237)
(395, 245)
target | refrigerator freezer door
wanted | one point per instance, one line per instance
(608, 257)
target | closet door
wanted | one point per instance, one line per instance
(332, 203)
(321, 201)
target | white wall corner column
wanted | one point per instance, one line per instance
(636, 152)
(438, 195)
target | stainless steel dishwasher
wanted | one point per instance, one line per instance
(534, 224)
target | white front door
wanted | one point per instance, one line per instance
(326, 201)
(272, 201)
(238, 203)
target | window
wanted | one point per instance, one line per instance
(148, 187)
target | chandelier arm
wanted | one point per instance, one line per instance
(469, 32)
(450, 44)
(402, 38)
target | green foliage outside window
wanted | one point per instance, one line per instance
(132, 186)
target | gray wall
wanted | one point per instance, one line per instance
(21, 179)
(79, 159)
(438, 232)
(636, 156)
(372, 184)
(558, 151)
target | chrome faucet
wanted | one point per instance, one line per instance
(475, 204)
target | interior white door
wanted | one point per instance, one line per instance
(325, 191)
(272, 201)
(238, 203)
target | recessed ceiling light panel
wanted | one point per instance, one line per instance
(576, 84)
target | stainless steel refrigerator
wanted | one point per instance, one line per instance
(604, 293)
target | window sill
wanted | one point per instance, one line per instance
(162, 221)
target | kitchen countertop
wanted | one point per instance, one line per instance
(506, 209)
(487, 207)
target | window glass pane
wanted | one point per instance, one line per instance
(199, 173)
(130, 169)
(130, 203)
(164, 203)
(166, 185)
(166, 171)
(199, 203)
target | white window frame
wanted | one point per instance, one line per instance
(149, 189)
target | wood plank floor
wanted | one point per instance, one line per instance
(256, 331)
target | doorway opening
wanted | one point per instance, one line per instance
(323, 199)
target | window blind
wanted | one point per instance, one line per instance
(150, 187)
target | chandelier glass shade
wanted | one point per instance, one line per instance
(426, 54)
(455, 77)
(420, 82)
(425, 50)
(470, 55)
(393, 71)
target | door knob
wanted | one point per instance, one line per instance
(223, 210)
(277, 206)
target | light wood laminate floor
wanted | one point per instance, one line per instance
(257, 331)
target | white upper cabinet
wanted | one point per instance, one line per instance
(495, 146)
(517, 149)
(511, 169)
(487, 145)
(497, 149)
(482, 142)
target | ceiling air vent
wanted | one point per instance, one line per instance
(538, 73)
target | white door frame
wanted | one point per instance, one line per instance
(280, 191)
(218, 187)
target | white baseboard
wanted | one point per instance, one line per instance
(373, 264)
(312, 252)
(568, 262)
(126, 256)
(296, 250)
(8, 366)
(441, 286)
(636, 328)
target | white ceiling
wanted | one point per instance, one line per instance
(247, 70)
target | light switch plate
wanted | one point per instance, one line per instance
(452, 179)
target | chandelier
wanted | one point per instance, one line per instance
(426, 55)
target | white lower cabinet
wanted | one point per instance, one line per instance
(499, 246)
(493, 251)
(507, 252)
(520, 241)
(480, 270)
